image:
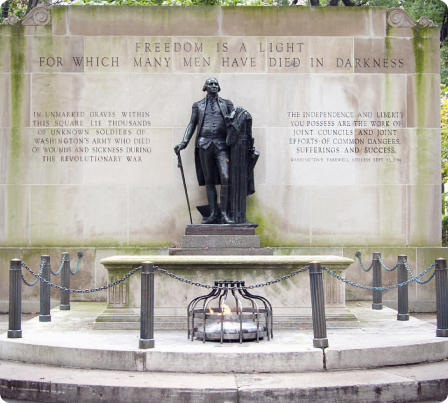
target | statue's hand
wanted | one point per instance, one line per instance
(179, 147)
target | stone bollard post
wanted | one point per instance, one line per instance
(44, 315)
(147, 307)
(15, 299)
(441, 298)
(377, 282)
(318, 306)
(402, 276)
(65, 282)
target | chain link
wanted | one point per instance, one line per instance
(215, 287)
(42, 264)
(105, 287)
(358, 255)
(384, 267)
(60, 268)
(365, 287)
(418, 281)
(77, 267)
(39, 276)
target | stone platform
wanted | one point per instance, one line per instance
(382, 361)
(220, 239)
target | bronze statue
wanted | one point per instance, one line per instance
(219, 127)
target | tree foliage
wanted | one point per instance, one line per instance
(444, 127)
(433, 9)
(444, 140)
(16, 7)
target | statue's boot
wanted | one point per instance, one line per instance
(212, 198)
(225, 193)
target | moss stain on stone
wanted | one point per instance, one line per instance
(17, 49)
(58, 14)
(388, 46)
(418, 42)
(152, 244)
(269, 224)
(16, 220)
(3, 46)
(17, 68)
(389, 171)
(422, 81)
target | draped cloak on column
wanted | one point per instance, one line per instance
(243, 158)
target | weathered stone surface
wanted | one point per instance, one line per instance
(90, 208)
(396, 55)
(94, 103)
(423, 111)
(301, 22)
(220, 241)
(220, 251)
(211, 229)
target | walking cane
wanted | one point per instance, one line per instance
(179, 164)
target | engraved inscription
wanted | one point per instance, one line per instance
(96, 136)
(345, 136)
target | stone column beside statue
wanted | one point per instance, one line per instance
(243, 158)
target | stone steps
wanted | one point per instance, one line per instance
(383, 360)
(386, 385)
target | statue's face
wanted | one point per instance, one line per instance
(212, 86)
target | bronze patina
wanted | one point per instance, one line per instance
(224, 154)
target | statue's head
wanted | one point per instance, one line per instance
(211, 86)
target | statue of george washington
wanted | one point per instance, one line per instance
(224, 154)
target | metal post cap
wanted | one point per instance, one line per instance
(146, 343)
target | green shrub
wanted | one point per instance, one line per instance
(445, 230)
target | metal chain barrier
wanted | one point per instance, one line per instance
(80, 255)
(172, 275)
(208, 286)
(384, 267)
(415, 278)
(42, 264)
(365, 287)
(163, 271)
(105, 287)
(60, 268)
(358, 255)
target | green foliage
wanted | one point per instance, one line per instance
(444, 231)
(380, 3)
(444, 63)
(444, 140)
(444, 130)
(433, 9)
(18, 8)
(171, 2)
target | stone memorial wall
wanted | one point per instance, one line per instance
(345, 108)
